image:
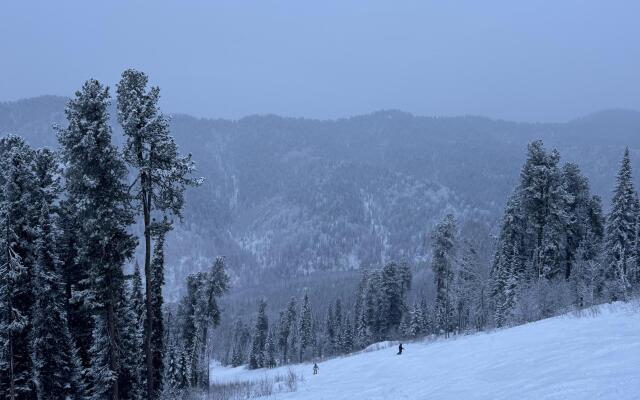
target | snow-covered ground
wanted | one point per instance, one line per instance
(567, 357)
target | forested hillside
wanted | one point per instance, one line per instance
(294, 196)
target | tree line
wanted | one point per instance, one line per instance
(73, 325)
(556, 251)
(301, 334)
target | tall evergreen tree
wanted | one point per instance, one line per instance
(200, 312)
(287, 323)
(543, 198)
(621, 233)
(95, 179)
(237, 357)
(444, 243)
(396, 280)
(270, 351)
(330, 329)
(260, 332)
(157, 282)
(57, 367)
(162, 177)
(18, 219)
(305, 327)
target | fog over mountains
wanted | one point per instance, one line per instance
(285, 197)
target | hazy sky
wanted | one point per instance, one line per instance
(531, 61)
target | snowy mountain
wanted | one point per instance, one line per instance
(592, 356)
(286, 197)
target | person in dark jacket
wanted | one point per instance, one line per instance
(400, 348)
(315, 368)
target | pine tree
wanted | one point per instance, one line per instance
(162, 177)
(75, 280)
(173, 375)
(374, 307)
(199, 313)
(578, 210)
(256, 357)
(132, 321)
(130, 377)
(543, 198)
(157, 282)
(330, 329)
(95, 179)
(395, 281)
(360, 337)
(286, 326)
(416, 322)
(338, 315)
(305, 328)
(237, 357)
(15, 381)
(620, 233)
(444, 242)
(57, 367)
(270, 352)
(17, 221)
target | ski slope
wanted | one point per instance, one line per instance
(567, 357)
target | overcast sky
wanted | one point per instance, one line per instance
(539, 61)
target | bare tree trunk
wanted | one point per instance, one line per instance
(146, 209)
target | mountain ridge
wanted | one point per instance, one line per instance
(290, 196)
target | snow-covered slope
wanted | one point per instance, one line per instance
(567, 357)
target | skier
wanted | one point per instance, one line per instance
(315, 368)
(400, 348)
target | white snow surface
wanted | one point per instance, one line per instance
(592, 356)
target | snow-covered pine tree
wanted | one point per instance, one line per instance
(620, 240)
(260, 332)
(305, 331)
(270, 351)
(428, 317)
(57, 369)
(17, 222)
(157, 282)
(237, 357)
(373, 307)
(543, 199)
(417, 323)
(15, 382)
(75, 279)
(130, 379)
(286, 328)
(346, 337)
(442, 264)
(95, 179)
(360, 338)
(137, 296)
(338, 317)
(396, 280)
(578, 203)
(512, 233)
(587, 278)
(132, 311)
(330, 330)
(172, 379)
(199, 313)
(162, 177)
(463, 285)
